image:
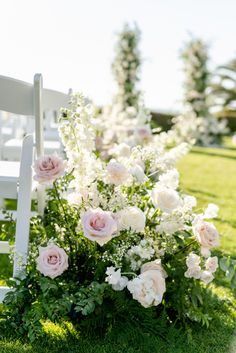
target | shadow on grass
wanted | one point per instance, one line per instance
(212, 154)
(126, 338)
(205, 193)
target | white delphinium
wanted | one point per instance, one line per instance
(114, 278)
(78, 137)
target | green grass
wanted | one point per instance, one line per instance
(210, 175)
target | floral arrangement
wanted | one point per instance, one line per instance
(196, 125)
(118, 238)
(126, 67)
(198, 130)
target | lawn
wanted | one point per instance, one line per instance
(210, 175)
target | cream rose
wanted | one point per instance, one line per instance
(166, 199)
(52, 261)
(212, 264)
(207, 277)
(154, 265)
(148, 288)
(206, 234)
(117, 174)
(48, 168)
(98, 225)
(132, 218)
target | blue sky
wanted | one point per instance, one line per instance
(71, 42)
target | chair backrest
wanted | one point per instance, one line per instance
(23, 211)
(26, 99)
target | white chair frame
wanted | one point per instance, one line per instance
(22, 98)
(23, 196)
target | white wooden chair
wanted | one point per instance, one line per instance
(22, 192)
(25, 99)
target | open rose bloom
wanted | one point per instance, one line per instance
(48, 168)
(98, 225)
(52, 261)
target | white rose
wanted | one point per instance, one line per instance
(117, 174)
(207, 277)
(211, 211)
(206, 234)
(166, 199)
(170, 179)
(192, 260)
(212, 264)
(193, 272)
(138, 173)
(122, 150)
(148, 288)
(154, 265)
(132, 218)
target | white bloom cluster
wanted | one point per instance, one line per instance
(126, 67)
(193, 129)
(194, 269)
(138, 253)
(114, 278)
(78, 136)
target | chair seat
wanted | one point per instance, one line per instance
(9, 171)
(12, 149)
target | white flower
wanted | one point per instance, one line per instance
(166, 199)
(138, 173)
(207, 277)
(193, 264)
(170, 179)
(117, 173)
(211, 211)
(148, 288)
(212, 264)
(74, 198)
(190, 201)
(114, 278)
(193, 272)
(132, 218)
(192, 260)
(206, 234)
(122, 150)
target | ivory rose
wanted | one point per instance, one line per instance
(132, 218)
(48, 168)
(148, 288)
(212, 264)
(98, 225)
(52, 261)
(166, 199)
(206, 234)
(117, 174)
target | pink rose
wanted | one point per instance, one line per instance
(98, 225)
(52, 261)
(206, 235)
(48, 168)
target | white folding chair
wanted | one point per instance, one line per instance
(25, 99)
(49, 101)
(22, 192)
